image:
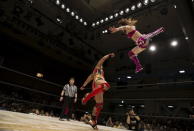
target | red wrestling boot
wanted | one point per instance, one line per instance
(83, 99)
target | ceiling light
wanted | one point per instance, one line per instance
(63, 6)
(182, 71)
(111, 17)
(174, 43)
(76, 17)
(106, 31)
(142, 106)
(186, 38)
(139, 5)
(127, 10)
(93, 24)
(133, 7)
(101, 21)
(175, 6)
(152, 48)
(85, 23)
(153, 0)
(59, 20)
(106, 19)
(116, 15)
(40, 75)
(122, 101)
(170, 106)
(57, 2)
(68, 10)
(146, 2)
(121, 12)
(81, 20)
(129, 77)
(72, 13)
(97, 23)
(31, 1)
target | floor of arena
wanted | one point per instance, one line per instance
(14, 121)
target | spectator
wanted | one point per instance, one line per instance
(132, 120)
(109, 122)
(86, 118)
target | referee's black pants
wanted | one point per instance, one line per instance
(67, 103)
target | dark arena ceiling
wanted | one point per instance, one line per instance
(73, 32)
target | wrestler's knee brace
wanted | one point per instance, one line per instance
(131, 54)
(99, 107)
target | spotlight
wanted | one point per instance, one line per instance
(72, 13)
(101, 21)
(116, 15)
(106, 19)
(186, 38)
(121, 12)
(182, 71)
(93, 24)
(85, 23)
(119, 78)
(103, 32)
(40, 75)
(63, 6)
(111, 17)
(127, 10)
(68, 10)
(122, 101)
(153, 0)
(174, 43)
(152, 48)
(129, 77)
(81, 20)
(146, 2)
(76, 17)
(30, 1)
(175, 6)
(59, 20)
(139, 5)
(106, 31)
(133, 7)
(170, 106)
(57, 2)
(97, 23)
(142, 106)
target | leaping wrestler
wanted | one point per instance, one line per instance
(141, 40)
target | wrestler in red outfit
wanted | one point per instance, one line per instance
(99, 86)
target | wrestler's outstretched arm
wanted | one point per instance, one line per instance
(103, 59)
(121, 28)
(88, 80)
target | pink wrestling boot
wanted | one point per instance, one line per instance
(136, 61)
(138, 68)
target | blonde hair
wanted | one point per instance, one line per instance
(127, 21)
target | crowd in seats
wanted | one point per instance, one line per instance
(141, 124)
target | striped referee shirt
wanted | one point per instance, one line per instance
(70, 90)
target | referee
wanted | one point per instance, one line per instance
(68, 96)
